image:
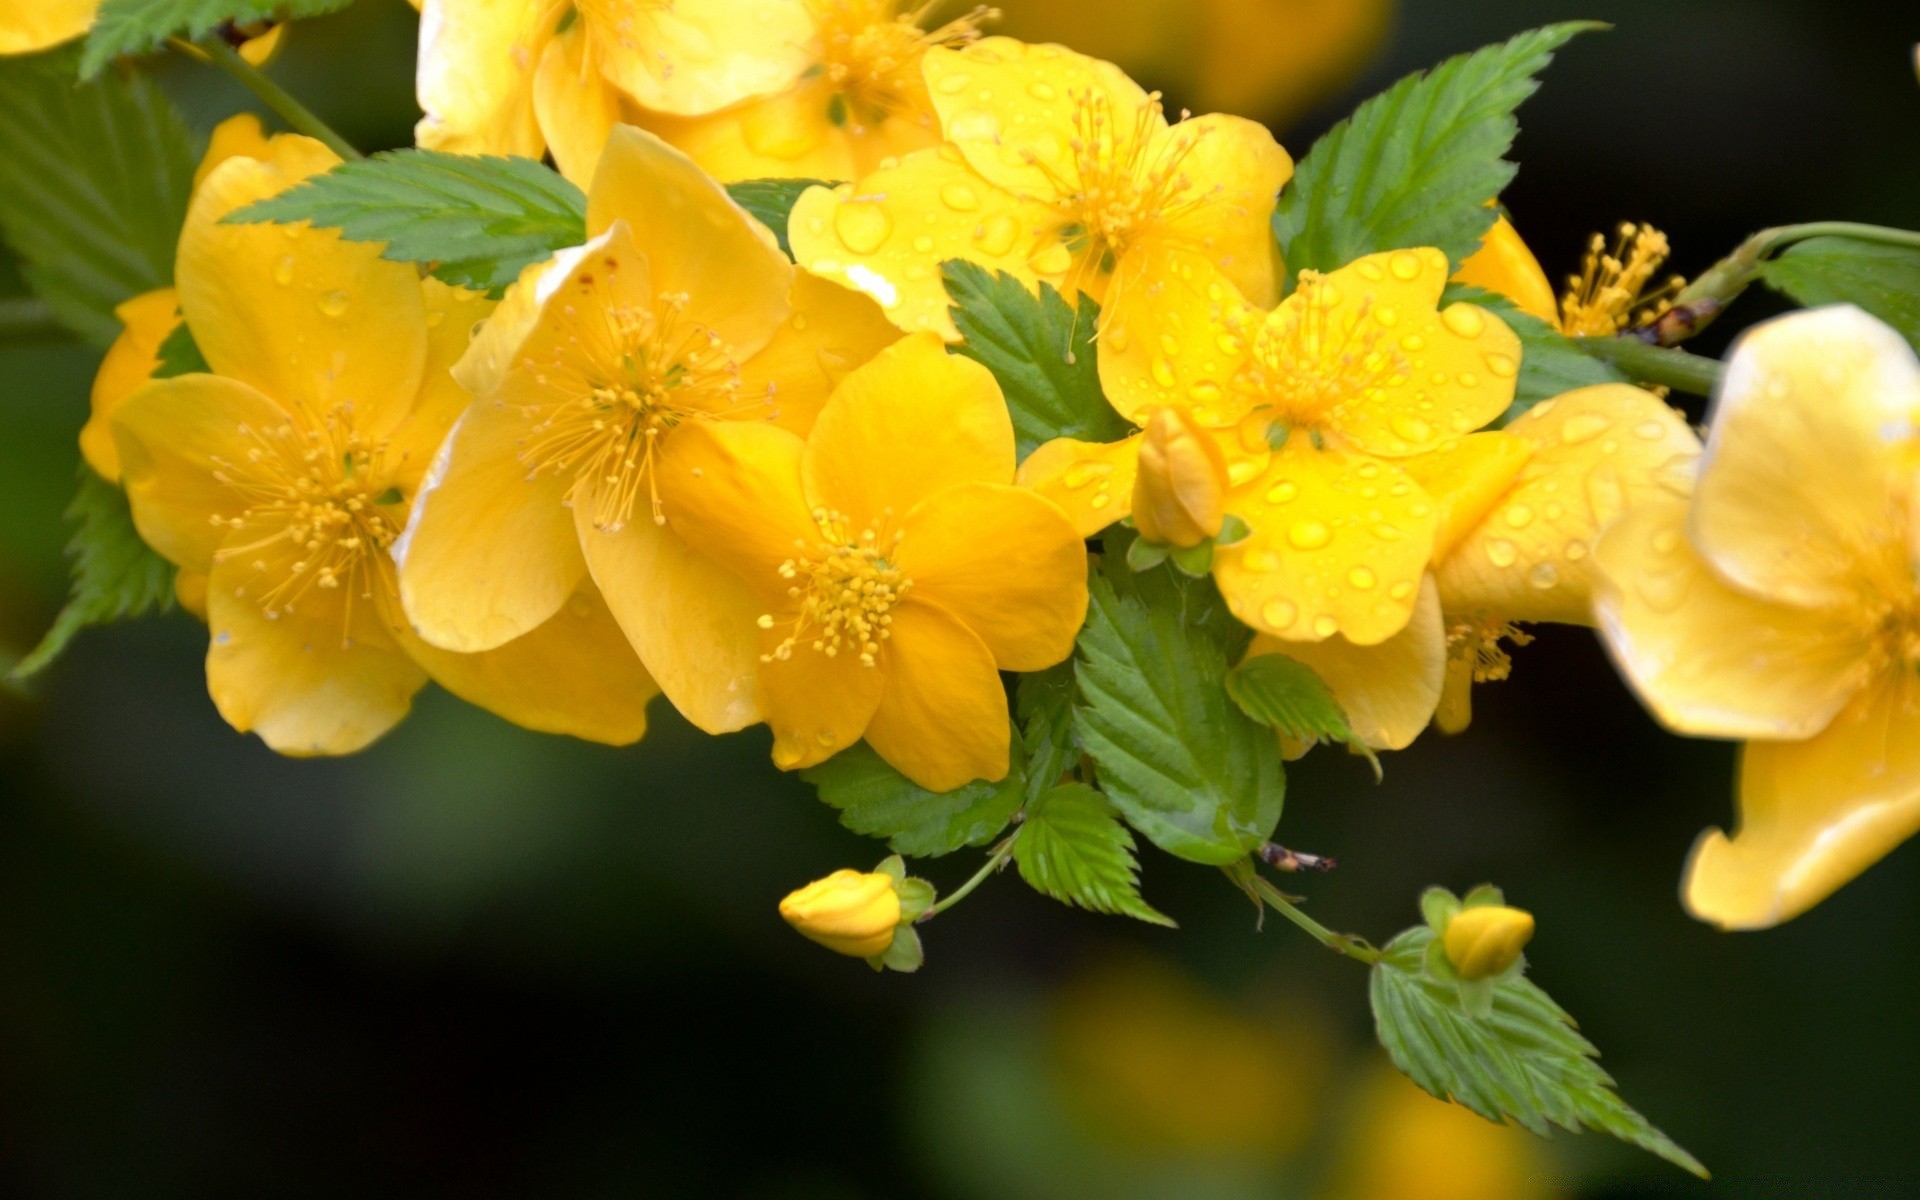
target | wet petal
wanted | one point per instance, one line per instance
(452, 314)
(1092, 482)
(1466, 479)
(942, 721)
(832, 331)
(576, 107)
(1234, 171)
(146, 321)
(698, 56)
(817, 705)
(788, 135)
(476, 74)
(732, 490)
(1175, 332)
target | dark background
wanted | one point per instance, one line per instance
(478, 962)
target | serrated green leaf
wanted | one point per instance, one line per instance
(1044, 704)
(1524, 1061)
(771, 202)
(1286, 694)
(94, 181)
(1041, 350)
(1550, 362)
(115, 575)
(1883, 280)
(1179, 760)
(142, 26)
(180, 355)
(877, 801)
(478, 219)
(1074, 848)
(1418, 164)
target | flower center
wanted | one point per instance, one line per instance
(1477, 642)
(870, 55)
(1313, 357)
(1615, 290)
(1126, 178)
(316, 503)
(616, 390)
(845, 587)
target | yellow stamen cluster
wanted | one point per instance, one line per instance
(1126, 178)
(871, 53)
(1477, 642)
(1614, 290)
(1311, 360)
(846, 589)
(614, 394)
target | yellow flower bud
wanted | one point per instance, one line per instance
(1486, 940)
(849, 912)
(1182, 483)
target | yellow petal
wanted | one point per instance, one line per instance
(574, 675)
(1174, 333)
(1339, 544)
(1235, 171)
(732, 490)
(489, 554)
(1710, 660)
(1092, 482)
(1466, 479)
(690, 619)
(888, 234)
(1801, 471)
(576, 107)
(452, 313)
(174, 436)
(698, 242)
(1813, 814)
(476, 74)
(1596, 453)
(1005, 562)
(942, 720)
(326, 678)
(698, 56)
(239, 136)
(1389, 691)
(832, 330)
(816, 705)
(911, 423)
(146, 321)
(27, 26)
(313, 321)
(490, 355)
(190, 592)
(1016, 110)
(1505, 266)
(788, 135)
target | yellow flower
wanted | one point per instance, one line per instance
(849, 912)
(861, 100)
(1181, 483)
(523, 76)
(1055, 167)
(896, 568)
(1485, 940)
(282, 478)
(1406, 1145)
(1615, 290)
(1506, 267)
(27, 26)
(1782, 607)
(680, 312)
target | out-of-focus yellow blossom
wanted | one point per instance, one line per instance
(862, 99)
(896, 568)
(1182, 481)
(1782, 607)
(282, 478)
(1406, 1145)
(1485, 940)
(1056, 168)
(27, 26)
(849, 912)
(680, 312)
(524, 76)
(1505, 266)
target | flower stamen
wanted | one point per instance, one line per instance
(845, 587)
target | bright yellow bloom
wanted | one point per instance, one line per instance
(283, 477)
(1505, 266)
(862, 99)
(1485, 940)
(27, 26)
(1615, 291)
(680, 312)
(896, 569)
(1056, 168)
(524, 76)
(1182, 481)
(1782, 607)
(1407, 1145)
(849, 912)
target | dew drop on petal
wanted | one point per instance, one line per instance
(1502, 553)
(997, 234)
(1464, 320)
(862, 226)
(1279, 614)
(1309, 535)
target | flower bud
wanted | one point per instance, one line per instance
(1485, 940)
(1182, 483)
(849, 912)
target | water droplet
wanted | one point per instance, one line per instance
(1465, 320)
(1583, 427)
(1362, 578)
(1325, 625)
(1053, 259)
(1386, 316)
(334, 304)
(1413, 343)
(959, 197)
(1370, 271)
(1468, 379)
(1405, 265)
(1041, 91)
(1411, 428)
(1240, 470)
(1102, 500)
(953, 85)
(283, 271)
(997, 234)
(1544, 575)
(1502, 553)
(1163, 372)
(1503, 366)
(1280, 614)
(1169, 343)
(1664, 591)
(1651, 431)
(1117, 338)
(923, 244)
(1284, 492)
(1401, 590)
(1519, 516)
(1666, 541)
(1309, 535)
(1576, 551)
(1386, 532)
(862, 226)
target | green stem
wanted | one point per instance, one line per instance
(1693, 374)
(28, 320)
(1344, 943)
(272, 95)
(995, 862)
(1708, 296)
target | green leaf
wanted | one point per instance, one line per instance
(771, 202)
(1883, 280)
(142, 26)
(479, 219)
(1524, 1061)
(1177, 757)
(94, 181)
(1044, 704)
(115, 575)
(180, 355)
(1550, 362)
(1286, 694)
(878, 801)
(1418, 164)
(1074, 848)
(1041, 350)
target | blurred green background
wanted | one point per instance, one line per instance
(478, 962)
